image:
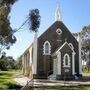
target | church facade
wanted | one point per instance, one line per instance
(56, 53)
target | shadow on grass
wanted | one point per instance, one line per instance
(12, 86)
(6, 73)
(5, 77)
(63, 88)
(7, 82)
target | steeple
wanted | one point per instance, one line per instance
(58, 13)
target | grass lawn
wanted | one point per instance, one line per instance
(7, 83)
(86, 74)
(63, 88)
(6, 80)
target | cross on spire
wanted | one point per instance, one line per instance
(58, 12)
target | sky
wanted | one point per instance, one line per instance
(75, 15)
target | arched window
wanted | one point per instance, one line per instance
(46, 48)
(70, 44)
(66, 60)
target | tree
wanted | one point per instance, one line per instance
(34, 20)
(7, 63)
(34, 23)
(8, 2)
(11, 62)
(18, 63)
(85, 33)
(3, 63)
(7, 37)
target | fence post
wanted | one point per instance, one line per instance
(27, 86)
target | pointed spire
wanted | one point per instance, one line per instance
(58, 13)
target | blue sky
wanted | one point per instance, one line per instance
(75, 15)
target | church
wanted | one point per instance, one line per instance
(55, 54)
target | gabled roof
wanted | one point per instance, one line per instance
(61, 47)
(55, 25)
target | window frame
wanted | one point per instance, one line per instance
(59, 30)
(44, 48)
(64, 60)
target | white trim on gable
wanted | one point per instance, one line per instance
(62, 47)
(71, 45)
(56, 52)
(48, 51)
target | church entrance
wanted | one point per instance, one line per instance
(64, 62)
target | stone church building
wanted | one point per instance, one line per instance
(55, 54)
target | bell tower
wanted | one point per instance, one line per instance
(58, 16)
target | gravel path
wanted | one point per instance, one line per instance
(37, 82)
(22, 80)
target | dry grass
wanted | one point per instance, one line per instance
(86, 74)
(6, 80)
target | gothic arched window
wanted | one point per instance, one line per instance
(46, 48)
(66, 60)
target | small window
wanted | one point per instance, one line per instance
(70, 44)
(66, 61)
(47, 48)
(59, 31)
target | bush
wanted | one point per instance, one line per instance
(13, 86)
(7, 63)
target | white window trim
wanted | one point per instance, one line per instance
(59, 31)
(68, 60)
(71, 45)
(44, 53)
